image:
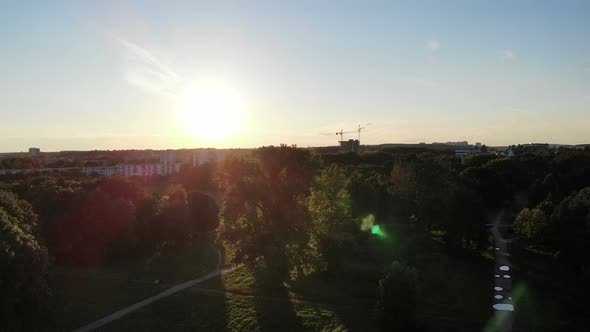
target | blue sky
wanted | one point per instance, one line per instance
(107, 75)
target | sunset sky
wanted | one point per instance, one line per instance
(105, 75)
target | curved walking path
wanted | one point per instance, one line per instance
(172, 290)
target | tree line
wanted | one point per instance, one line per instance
(289, 210)
(85, 221)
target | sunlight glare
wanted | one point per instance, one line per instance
(211, 111)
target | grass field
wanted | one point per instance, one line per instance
(454, 295)
(81, 296)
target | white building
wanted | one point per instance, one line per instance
(168, 156)
(149, 169)
(200, 157)
(133, 169)
(101, 170)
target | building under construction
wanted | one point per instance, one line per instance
(352, 145)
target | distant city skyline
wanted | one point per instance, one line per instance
(146, 74)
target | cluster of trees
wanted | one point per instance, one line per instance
(560, 226)
(78, 220)
(299, 213)
(296, 212)
(122, 219)
(18, 163)
(557, 216)
(78, 159)
(84, 219)
(283, 204)
(24, 266)
(290, 211)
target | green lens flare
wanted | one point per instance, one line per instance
(377, 231)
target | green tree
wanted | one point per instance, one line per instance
(203, 213)
(174, 222)
(199, 177)
(531, 224)
(420, 186)
(369, 195)
(86, 234)
(23, 268)
(147, 225)
(21, 210)
(571, 221)
(487, 184)
(329, 208)
(263, 215)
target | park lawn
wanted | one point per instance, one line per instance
(197, 310)
(455, 294)
(216, 308)
(81, 296)
(238, 301)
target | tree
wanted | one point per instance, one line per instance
(404, 186)
(203, 213)
(476, 160)
(464, 218)
(571, 224)
(531, 224)
(23, 268)
(198, 177)
(420, 186)
(21, 210)
(263, 215)
(487, 184)
(369, 195)
(147, 225)
(85, 235)
(329, 208)
(174, 224)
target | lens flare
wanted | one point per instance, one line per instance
(368, 222)
(376, 230)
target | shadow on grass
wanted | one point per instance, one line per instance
(351, 298)
(278, 314)
(185, 311)
(213, 312)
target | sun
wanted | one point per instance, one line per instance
(211, 111)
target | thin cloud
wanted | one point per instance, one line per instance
(506, 55)
(433, 45)
(146, 71)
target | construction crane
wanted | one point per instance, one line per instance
(361, 128)
(342, 132)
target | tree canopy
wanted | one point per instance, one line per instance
(23, 267)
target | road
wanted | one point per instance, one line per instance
(172, 290)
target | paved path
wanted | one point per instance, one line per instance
(503, 305)
(175, 289)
